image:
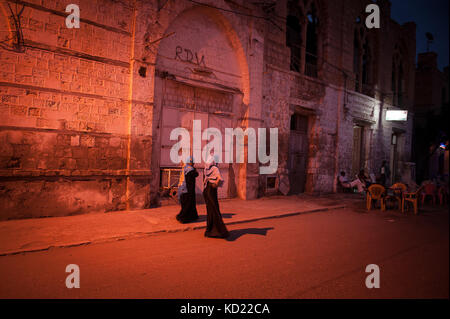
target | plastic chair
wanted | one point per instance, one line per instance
(443, 195)
(398, 189)
(429, 190)
(413, 198)
(376, 192)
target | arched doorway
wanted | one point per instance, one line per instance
(201, 75)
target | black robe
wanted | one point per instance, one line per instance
(188, 211)
(214, 223)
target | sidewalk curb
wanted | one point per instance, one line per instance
(174, 230)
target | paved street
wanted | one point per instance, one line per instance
(317, 255)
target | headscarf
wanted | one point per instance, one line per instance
(211, 172)
(187, 167)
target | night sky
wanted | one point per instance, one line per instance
(430, 16)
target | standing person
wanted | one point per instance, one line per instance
(186, 192)
(214, 223)
(385, 173)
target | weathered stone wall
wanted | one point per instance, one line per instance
(65, 105)
(81, 107)
(232, 46)
(79, 103)
(330, 102)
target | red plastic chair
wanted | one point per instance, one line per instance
(376, 192)
(443, 195)
(413, 198)
(429, 190)
(398, 190)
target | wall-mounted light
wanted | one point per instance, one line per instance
(396, 115)
(394, 139)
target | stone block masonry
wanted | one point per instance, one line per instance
(84, 113)
(64, 130)
(330, 98)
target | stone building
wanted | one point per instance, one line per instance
(431, 109)
(88, 111)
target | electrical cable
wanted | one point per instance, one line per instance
(19, 35)
(284, 19)
(235, 12)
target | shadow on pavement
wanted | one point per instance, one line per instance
(235, 234)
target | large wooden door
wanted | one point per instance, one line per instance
(357, 158)
(181, 105)
(298, 153)
(394, 159)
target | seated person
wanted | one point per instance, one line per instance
(364, 178)
(343, 181)
(346, 184)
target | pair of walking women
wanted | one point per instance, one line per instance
(211, 181)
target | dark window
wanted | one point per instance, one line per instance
(294, 40)
(393, 79)
(356, 55)
(299, 123)
(397, 81)
(271, 182)
(302, 36)
(293, 123)
(311, 44)
(365, 64)
(362, 61)
(400, 86)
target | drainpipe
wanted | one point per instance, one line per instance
(338, 122)
(338, 114)
(130, 104)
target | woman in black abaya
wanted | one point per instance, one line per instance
(214, 223)
(186, 191)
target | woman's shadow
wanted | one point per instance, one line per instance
(235, 234)
(202, 218)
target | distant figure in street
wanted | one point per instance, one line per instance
(385, 173)
(212, 179)
(186, 192)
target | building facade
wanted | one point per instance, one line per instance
(431, 109)
(88, 111)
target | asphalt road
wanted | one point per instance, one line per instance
(319, 255)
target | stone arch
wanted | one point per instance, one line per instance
(224, 24)
(182, 69)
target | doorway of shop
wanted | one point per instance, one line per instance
(298, 153)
